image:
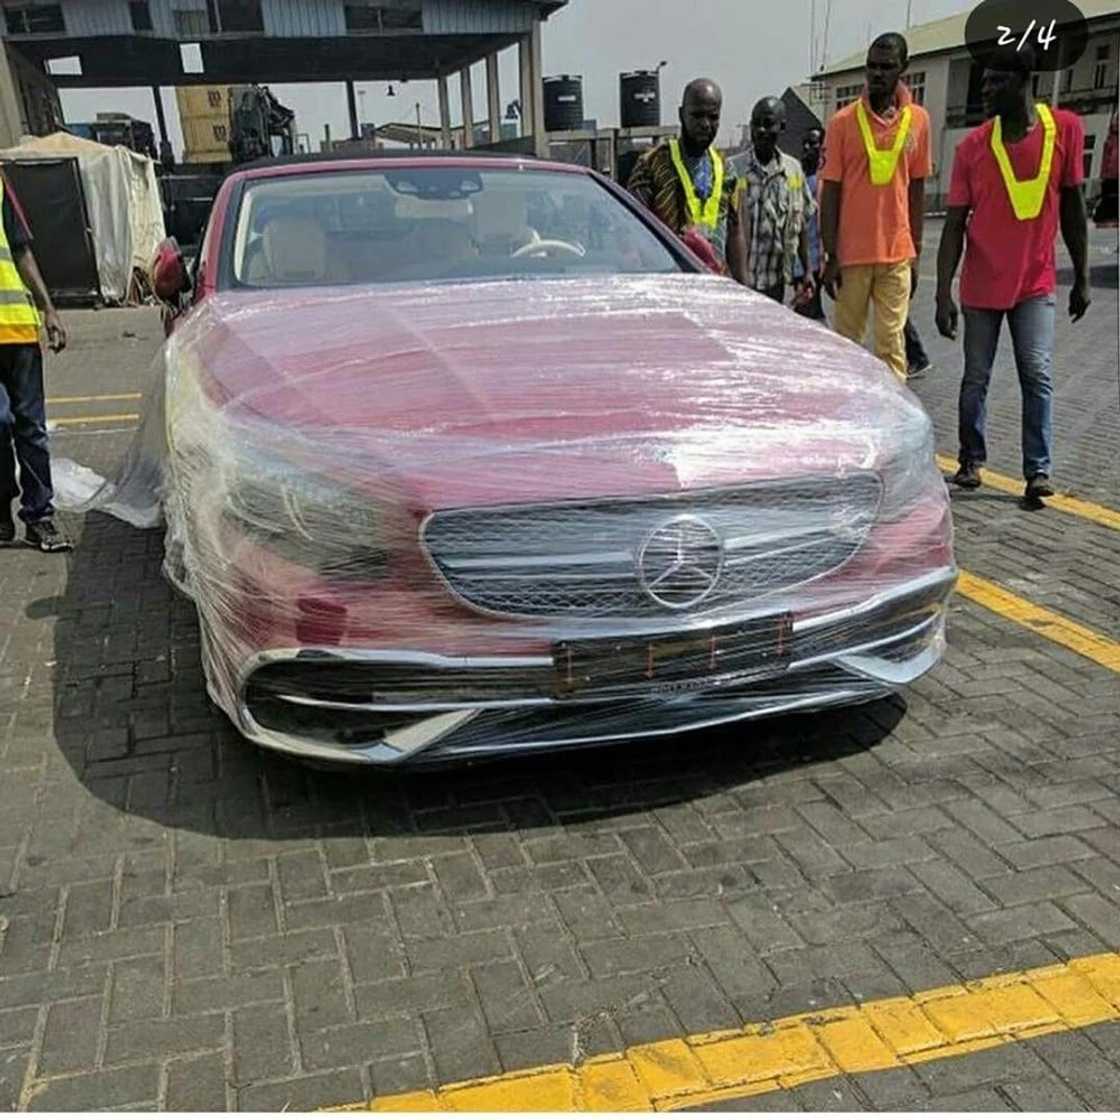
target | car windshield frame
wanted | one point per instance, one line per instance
(228, 280)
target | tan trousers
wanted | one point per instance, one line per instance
(887, 286)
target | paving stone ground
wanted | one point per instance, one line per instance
(190, 923)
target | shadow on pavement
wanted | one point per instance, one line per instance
(134, 724)
(1100, 276)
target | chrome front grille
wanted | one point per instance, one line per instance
(592, 559)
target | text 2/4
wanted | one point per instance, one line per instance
(1046, 35)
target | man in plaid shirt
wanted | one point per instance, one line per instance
(775, 204)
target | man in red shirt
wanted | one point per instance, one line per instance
(1015, 179)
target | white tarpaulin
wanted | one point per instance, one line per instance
(122, 199)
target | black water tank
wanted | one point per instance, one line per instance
(639, 95)
(563, 103)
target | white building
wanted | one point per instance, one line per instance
(945, 79)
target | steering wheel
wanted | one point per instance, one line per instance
(544, 247)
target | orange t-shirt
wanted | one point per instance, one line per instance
(875, 221)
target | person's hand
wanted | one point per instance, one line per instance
(913, 278)
(56, 332)
(948, 316)
(831, 279)
(803, 291)
(1079, 300)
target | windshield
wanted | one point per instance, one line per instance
(436, 223)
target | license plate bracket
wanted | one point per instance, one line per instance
(673, 662)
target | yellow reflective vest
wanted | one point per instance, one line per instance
(882, 162)
(705, 214)
(1027, 196)
(19, 317)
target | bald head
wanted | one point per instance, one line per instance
(769, 106)
(768, 122)
(701, 107)
(703, 88)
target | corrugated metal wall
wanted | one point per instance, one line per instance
(97, 17)
(465, 17)
(163, 18)
(304, 17)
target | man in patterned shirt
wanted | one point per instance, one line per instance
(776, 205)
(687, 185)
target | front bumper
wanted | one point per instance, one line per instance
(859, 653)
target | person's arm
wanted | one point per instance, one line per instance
(1075, 233)
(830, 180)
(28, 270)
(736, 241)
(830, 231)
(808, 210)
(948, 258)
(640, 184)
(917, 201)
(805, 287)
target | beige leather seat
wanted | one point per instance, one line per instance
(501, 222)
(293, 250)
(444, 243)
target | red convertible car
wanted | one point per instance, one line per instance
(463, 456)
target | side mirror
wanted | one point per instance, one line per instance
(169, 272)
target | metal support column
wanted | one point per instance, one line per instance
(524, 59)
(536, 78)
(444, 114)
(494, 97)
(352, 106)
(467, 97)
(11, 119)
(161, 120)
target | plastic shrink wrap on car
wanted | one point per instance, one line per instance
(433, 521)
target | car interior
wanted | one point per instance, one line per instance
(325, 230)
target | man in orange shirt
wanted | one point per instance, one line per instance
(873, 201)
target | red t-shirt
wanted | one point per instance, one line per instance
(1007, 261)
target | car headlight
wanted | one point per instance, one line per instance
(307, 518)
(908, 468)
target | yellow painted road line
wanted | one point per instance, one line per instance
(90, 400)
(1090, 511)
(72, 421)
(1049, 624)
(761, 1057)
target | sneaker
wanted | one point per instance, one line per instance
(7, 529)
(968, 477)
(46, 537)
(1039, 487)
(919, 369)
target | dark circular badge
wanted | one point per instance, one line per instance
(1048, 34)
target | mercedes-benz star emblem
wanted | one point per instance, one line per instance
(680, 562)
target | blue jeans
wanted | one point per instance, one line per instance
(1032, 336)
(23, 427)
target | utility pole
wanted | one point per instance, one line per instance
(827, 32)
(909, 12)
(813, 39)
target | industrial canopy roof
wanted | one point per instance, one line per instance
(947, 34)
(297, 40)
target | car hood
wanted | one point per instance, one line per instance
(567, 385)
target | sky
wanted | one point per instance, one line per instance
(751, 47)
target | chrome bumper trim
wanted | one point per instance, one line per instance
(437, 722)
